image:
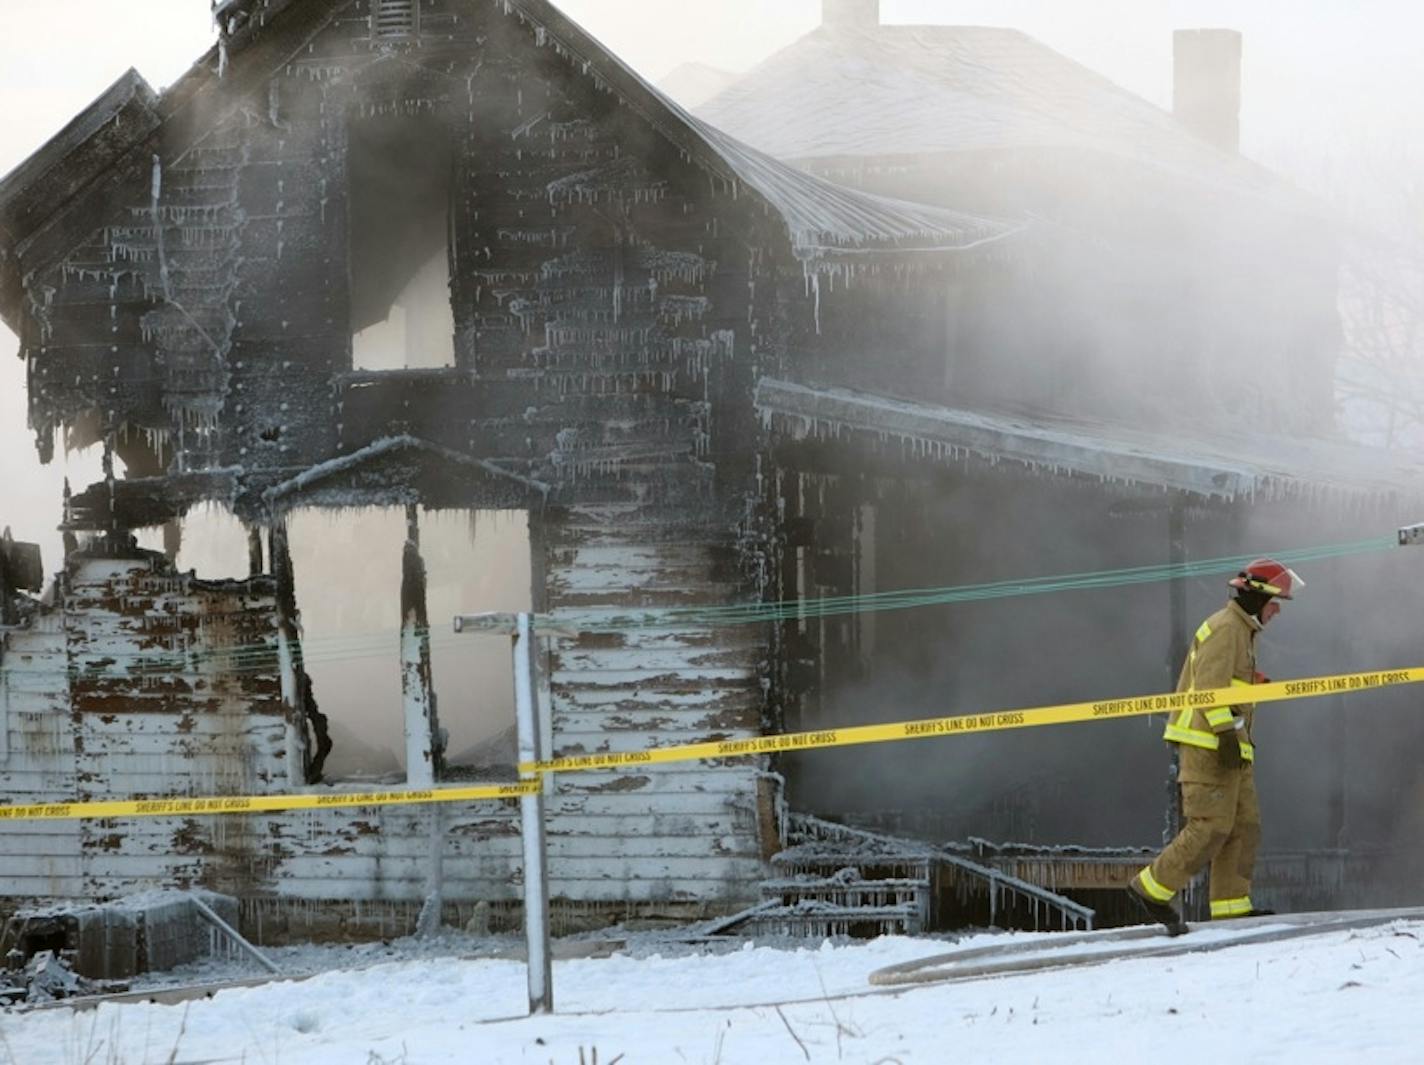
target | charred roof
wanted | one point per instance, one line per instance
(53, 200)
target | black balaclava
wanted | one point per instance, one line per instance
(1252, 601)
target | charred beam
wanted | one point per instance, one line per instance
(20, 571)
(254, 551)
(422, 728)
(296, 685)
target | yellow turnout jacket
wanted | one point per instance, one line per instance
(1223, 655)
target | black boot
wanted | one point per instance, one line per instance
(1157, 912)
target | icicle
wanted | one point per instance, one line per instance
(157, 192)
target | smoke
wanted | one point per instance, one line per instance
(1332, 772)
(1340, 772)
(1100, 784)
(1161, 298)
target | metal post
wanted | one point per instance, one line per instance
(535, 741)
(536, 882)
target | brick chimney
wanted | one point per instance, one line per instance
(850, 14)
(1206, 78)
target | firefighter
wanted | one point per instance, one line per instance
(1223, 822)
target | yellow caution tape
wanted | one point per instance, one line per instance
(962, 725)
(998, 721)
(253, 804)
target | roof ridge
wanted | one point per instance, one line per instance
(786, 188)
(919, 90)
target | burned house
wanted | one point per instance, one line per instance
(1166, 354)
(452, 255)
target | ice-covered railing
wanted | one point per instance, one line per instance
(1000, 887)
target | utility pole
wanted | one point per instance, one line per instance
(532, 724)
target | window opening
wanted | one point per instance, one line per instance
(209, 539)
(399, 169)
(347, 568)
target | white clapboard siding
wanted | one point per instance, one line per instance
(649, 688)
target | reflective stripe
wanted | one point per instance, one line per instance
(1248, 752)
(1231, 907)
(1180, 731)
(1219, 715)
(1152, 888)
(1191, 737)
(1203, 632)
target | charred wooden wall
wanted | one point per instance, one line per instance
(143, 682)
(865, 516)
(612, 303)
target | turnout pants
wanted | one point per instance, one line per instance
(1223, 827)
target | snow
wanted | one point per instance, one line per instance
(1335, 997)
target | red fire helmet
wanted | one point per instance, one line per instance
(1269, 576)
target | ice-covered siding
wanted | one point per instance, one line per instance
(607, 291)
(143, 682)
(685, 831)
(147, 683)
(616, 286)
(139, 682)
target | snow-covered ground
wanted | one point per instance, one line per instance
(1345, 996)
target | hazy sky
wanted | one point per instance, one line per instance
(1325, 80)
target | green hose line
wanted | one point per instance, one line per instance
(263, 657)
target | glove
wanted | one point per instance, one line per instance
(1229, 750)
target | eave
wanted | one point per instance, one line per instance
(1215, 468)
